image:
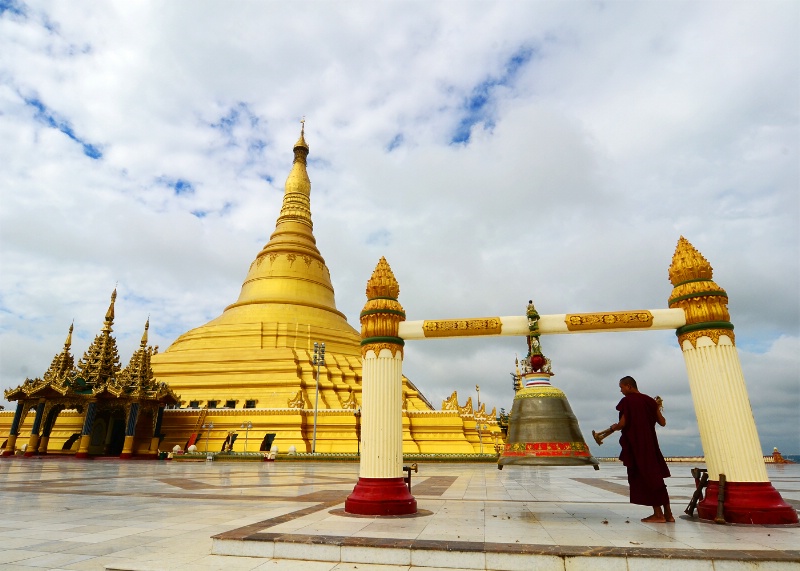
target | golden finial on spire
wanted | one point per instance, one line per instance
(68, 342)
(301, 142)
(144, 335)
(110, 312)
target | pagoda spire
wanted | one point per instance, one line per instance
(291, 257)
(138, 371)
(62, 363)
(110, 313)
(100, 362)
(297, 190)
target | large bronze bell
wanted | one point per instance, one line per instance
(542, 430)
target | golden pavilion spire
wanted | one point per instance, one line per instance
(62, 363)
(110, 313)
(101, 362)
(138, 370)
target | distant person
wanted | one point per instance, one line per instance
(638, 414)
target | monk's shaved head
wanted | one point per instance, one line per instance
(628, 381)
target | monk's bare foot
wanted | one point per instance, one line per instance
(654, 519)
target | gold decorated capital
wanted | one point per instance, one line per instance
(382, 314)
(704, 303)
(378, 347)
(608, 320)
(713, 334)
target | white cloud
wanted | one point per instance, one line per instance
(627, 126)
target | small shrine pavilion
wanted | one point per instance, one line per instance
(120, 409)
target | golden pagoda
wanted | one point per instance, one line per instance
(256, 359)
(253, 370)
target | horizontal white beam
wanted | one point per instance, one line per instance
(600, 322)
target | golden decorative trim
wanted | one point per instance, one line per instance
(608, 320)
(351, 403)
(462, 327)
(297, 401)
(451, 403)
(377, 347)
(713, 334)
(539, 392)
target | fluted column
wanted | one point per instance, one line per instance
(715, 376)
(382, 420)
(724, 417)
(381, 487)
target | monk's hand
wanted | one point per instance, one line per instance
(660, 402)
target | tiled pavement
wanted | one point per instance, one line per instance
(148, 515)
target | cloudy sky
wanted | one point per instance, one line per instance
(494, 152)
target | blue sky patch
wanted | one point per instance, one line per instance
(395, 142)
(380, 237)
(183, 187)
(12, 7)
(50, 118)
(239, 114)
(476, 108)
(179, 186)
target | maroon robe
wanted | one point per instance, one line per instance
(640, 452)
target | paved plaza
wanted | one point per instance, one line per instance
(60, 513)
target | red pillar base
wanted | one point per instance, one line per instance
(381, 496)
(81, 455)
(126, 456)
(29, 454)
(747, 502)
(7, 453)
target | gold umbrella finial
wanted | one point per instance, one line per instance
(144, 335)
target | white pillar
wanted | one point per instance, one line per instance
(381, 488)
(727, 427)
(382, 415)
(724, 417)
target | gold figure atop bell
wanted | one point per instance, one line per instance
(542, 430)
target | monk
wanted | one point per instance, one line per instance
(638, 415)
